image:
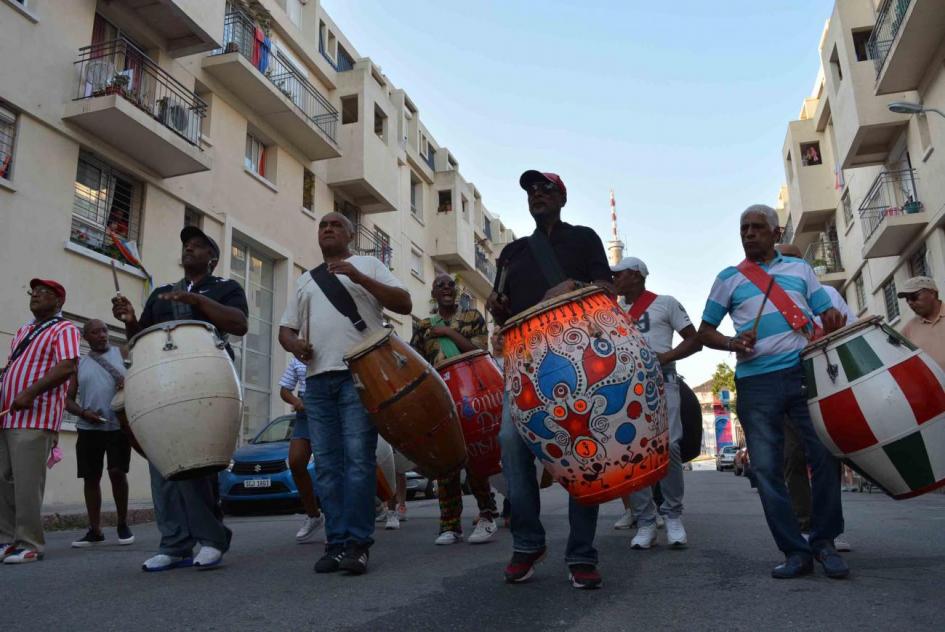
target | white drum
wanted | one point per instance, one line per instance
(182, 398)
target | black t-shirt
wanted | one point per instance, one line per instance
(580, 254)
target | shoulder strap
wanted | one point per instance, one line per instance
(642, 303)
(28, 340)
(544, 254)
(778, 297)
(109, 368)
(337, 295)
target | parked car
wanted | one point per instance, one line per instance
(417, 483)
(725, 458)
(741, 465)
(258, 474)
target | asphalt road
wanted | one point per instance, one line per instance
(721, 582)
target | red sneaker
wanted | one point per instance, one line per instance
(523, 565)
(584, 576)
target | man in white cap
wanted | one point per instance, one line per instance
(927, 327)
(658, 317)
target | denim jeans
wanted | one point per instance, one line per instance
(644, 508)
(763, 402)
(528, 534)
(343, 442)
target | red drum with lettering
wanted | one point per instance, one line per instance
(587, 395)
(477, 388)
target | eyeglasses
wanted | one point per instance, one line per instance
(544, 187)
(440, 284)
(40, 291)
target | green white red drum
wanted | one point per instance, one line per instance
(878, 403)
(586, 395)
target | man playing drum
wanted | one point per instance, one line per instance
(448, 333)
(187, 511)
(657, 317)
(343, 438)
(520, 284)
(772, 300)
(927, 327)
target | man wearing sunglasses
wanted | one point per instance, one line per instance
(927, 327)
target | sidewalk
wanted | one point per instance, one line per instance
(60, 517)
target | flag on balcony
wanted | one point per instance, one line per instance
(129, 252)
(838, 177)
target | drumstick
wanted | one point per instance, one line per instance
(3, 413)
(115, 279)
(754, 329)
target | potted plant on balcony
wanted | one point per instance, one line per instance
(118, 84)
(819, 266)
(912, 206)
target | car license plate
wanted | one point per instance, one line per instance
(257, 482)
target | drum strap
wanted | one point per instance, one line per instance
(337, 295)
(642, 304)
(785, 304)
(115, 374)
(544, 254)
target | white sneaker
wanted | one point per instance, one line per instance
(626, 521)
(208, 557)
(310, 528)
(485, 529)
(449, 537)
(676, 532)
(660, 522)
(645, 537)
(393, 521)
(161, 562)
(840, 543)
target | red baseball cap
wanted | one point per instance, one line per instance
(52, 285)
(532, 175)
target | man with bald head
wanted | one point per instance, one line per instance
(319, 334)
(101, 374)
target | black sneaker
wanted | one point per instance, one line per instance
(522, 565)
(584, 576)
(89, 539)
(834, 566)
(330, 562)
(125, 536)
(355, 559)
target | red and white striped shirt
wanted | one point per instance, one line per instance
(56, 343)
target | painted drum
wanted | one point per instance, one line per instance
(408, 402)
(878, 403)
(476, 385)
(586, 394)
(182, 398)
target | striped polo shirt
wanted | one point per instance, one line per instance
(778, 346)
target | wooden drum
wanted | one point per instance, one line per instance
(587, 395)
(476, 385)
(408, 402)
(878, 403)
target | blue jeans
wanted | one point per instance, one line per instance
(343, 442)
(763, 401)
(528, 534)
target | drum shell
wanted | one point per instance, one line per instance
(386, 476)
(883, 412)
(183, 399)
(586, 394)
(410, 405)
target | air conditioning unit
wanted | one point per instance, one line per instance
(181, 119)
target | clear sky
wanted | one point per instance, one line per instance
(680, 107)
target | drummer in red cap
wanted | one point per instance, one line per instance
(43, 357)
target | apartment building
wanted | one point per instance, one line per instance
(865, 194)
(121, 121)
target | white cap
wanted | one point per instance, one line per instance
(631, 263)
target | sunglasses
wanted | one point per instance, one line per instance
(544, 187)
(41, 291)
(442, 284)
(912, 296)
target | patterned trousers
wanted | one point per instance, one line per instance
(450, 494)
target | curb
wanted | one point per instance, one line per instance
(70, 521)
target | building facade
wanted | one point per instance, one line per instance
(121, 121)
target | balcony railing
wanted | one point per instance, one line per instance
(484, 265)
(888, 21)
(429, 158)
(787, 235)
(239, 35)
(345, 61)
(370, 244)
(824, 256)
(119, 67)
(893, 193)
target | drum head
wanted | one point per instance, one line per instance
(551, 303)
(168, 326)
(843, 332)
(691, 413)
(371, 341)
(460, 358)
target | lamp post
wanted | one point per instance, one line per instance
(907, 107)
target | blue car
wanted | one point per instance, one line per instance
(259, 471)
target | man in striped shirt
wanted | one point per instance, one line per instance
(42, 360)
(769, 383)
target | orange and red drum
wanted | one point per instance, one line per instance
(878, 403)
(476, 385)
(587, 395)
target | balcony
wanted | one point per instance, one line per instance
(904, 42)
(123, 97)
(371, 244)
(273, 90)
(813, 194)
(187, 26)
(486, 267)
(823, 255)
(892, 216)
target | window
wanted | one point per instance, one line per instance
(255, 158)
(308, 189)
(835, 69)
(847, 208)
(380, 123)
(919, 263)
(424, 145)
(416, 197)
(861, 40)
(446, 202)
(891, 300)
(349, 109)
(810, 154)
(416, 262)
(193, 217)
(7, 136)
(464, 206)
(106, 208)
(860, 293)
(383, 251)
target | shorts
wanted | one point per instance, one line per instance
(300, 427)
(93, 445)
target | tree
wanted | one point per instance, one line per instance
(723, 379)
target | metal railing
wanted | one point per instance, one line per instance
(344, 63)
(892, 193)
(429, 158)
(367, 242)
(888, 21)
(823, 256)
(239, 35)
(484, 265)
(787, 235)
(119, 67)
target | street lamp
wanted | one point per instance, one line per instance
(907, 107)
